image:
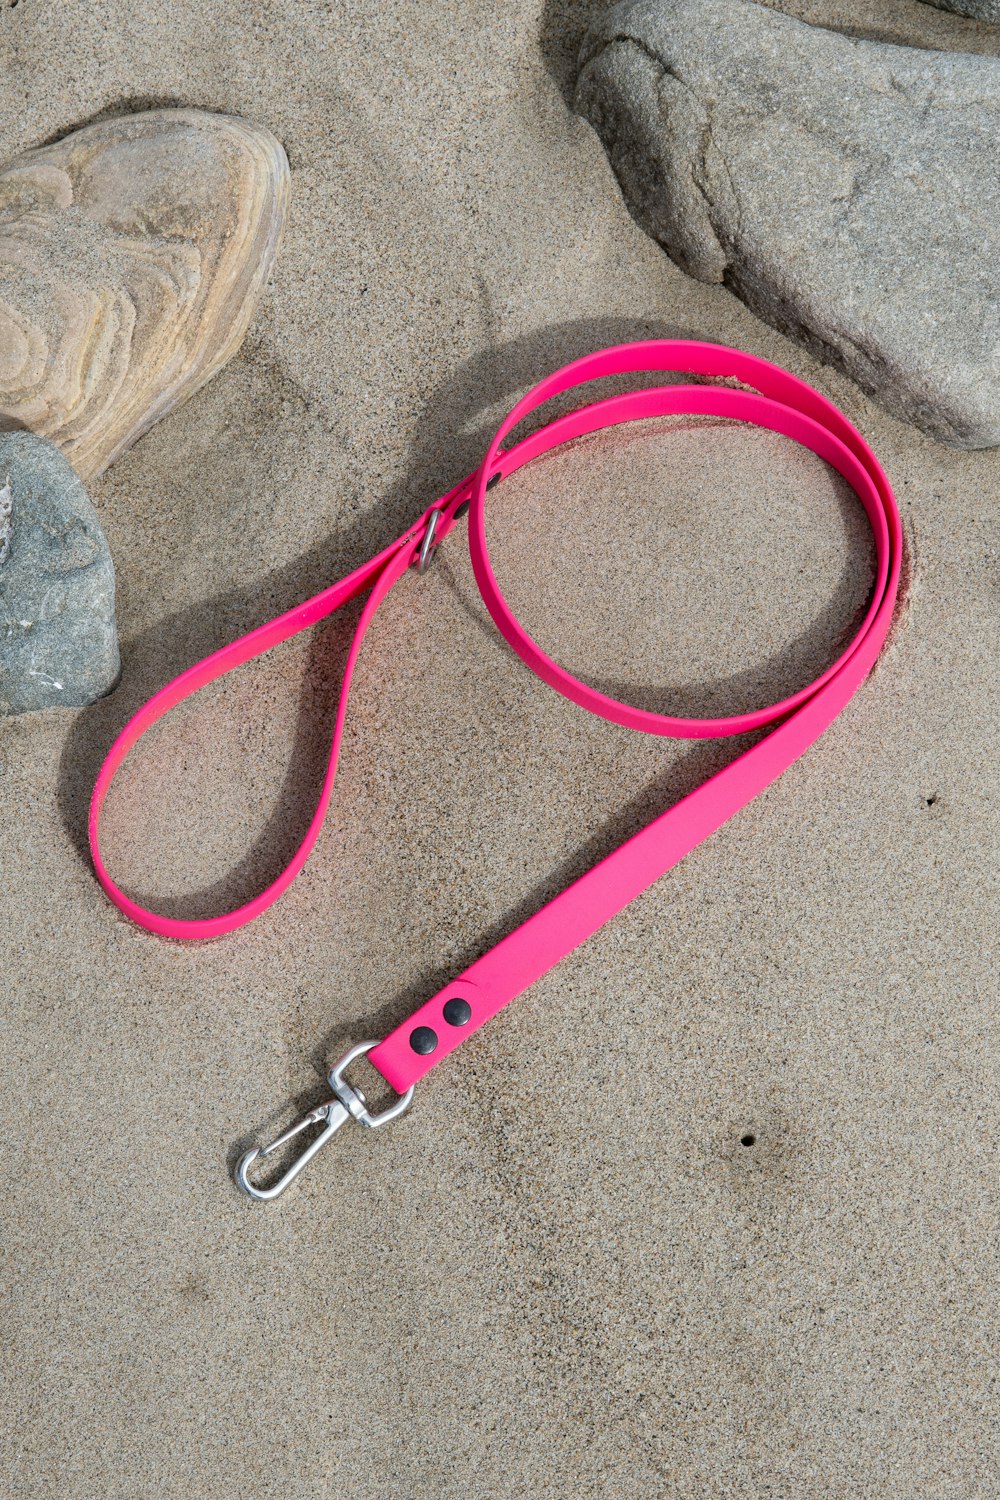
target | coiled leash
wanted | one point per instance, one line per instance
(777, 401)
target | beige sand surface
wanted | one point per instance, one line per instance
(562, 1274)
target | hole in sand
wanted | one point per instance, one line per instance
(747, 1140)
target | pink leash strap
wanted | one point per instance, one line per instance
(777, 401)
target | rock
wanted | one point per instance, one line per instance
(846, 190)
(132, 255)
(58, 642)
(981, 10)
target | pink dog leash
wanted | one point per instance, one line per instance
(778, 401)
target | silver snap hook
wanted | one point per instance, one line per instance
(349, 1104)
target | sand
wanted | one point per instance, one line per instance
(561, 1274)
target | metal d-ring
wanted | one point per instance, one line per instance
(427, 546)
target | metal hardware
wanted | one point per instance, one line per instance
(427, 546)
(349, 1104)
(335, 1115)
(354, 1099)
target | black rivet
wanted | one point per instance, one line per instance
(423, 1040)
(457, 1012)
(461, 509)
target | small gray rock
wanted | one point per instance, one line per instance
(980, 10)
(58, 642)
(848, 191)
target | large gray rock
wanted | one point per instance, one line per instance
(58, 642)
(982, 10)
(847, 190)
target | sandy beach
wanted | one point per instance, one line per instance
(561, 1274)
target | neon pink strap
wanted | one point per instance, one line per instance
(779, 401)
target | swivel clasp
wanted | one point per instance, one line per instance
(348, 1104)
